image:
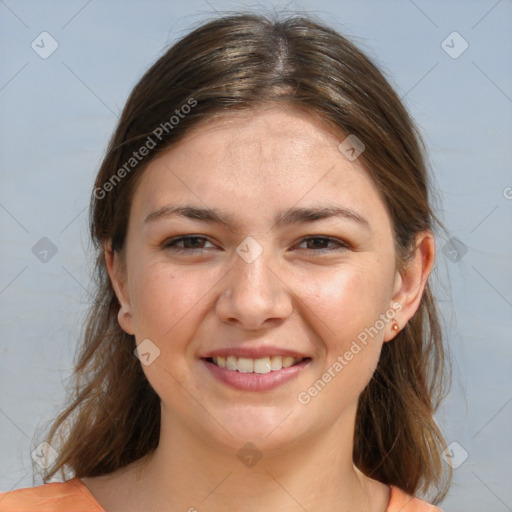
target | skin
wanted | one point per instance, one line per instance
(253, 166)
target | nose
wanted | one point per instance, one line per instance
(254, 295)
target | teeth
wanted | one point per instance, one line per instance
(245, 365)
(276, 363)
(261, 365)
(288, 361)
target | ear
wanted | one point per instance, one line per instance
(410, 282)
(117, 274)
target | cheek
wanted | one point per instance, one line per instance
(346, 311)
(348, 300)
(165, 300)
(347, 308)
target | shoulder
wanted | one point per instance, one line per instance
(52, 497)
(402, 502)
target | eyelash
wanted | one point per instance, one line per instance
(171, 244)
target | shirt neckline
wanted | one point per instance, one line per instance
(85, 490)
(394, 494)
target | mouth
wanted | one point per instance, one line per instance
(258, 374)
(261, 365)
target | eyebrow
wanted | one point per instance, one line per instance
(288, 217)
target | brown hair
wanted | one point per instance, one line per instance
(230, 64)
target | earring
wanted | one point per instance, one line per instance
(395, 326)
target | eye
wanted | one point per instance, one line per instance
(186, 243)
(320, 244)
(196, 243)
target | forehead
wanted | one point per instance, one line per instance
(258, 160)
(276, 139)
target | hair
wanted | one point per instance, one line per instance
(233, 64)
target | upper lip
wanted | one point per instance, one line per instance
(254, 352)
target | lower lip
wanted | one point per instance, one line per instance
(255, 381)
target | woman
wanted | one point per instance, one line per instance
(264, 335)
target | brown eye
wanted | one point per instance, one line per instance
(186, 243)
(321, 244)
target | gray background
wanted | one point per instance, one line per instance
(58, 113)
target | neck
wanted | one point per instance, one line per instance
(187, 473)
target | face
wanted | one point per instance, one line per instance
(255, 245)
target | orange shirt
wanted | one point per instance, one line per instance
(73, 496)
